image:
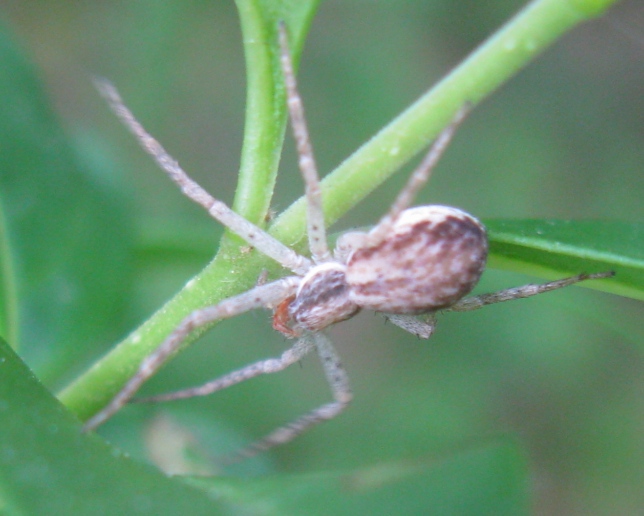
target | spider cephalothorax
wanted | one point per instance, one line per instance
(322, 298)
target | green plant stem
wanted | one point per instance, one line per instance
(517, 43)
(514, 45)
(265, 107)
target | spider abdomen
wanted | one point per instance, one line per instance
(434, 256)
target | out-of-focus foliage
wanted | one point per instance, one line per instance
(562, 140)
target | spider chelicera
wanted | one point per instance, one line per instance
(414, 261)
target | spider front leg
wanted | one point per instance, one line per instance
(252, 234)
(259, 297)
(316, 228)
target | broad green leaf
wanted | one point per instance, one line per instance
(489, 480)
(48, 467)
(556, 248)
(64, 255)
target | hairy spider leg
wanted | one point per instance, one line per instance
(418, 179)
(529, 290)
(259, 297)
(252, 234)
(316, 226)
(299, 350)
(335, 374)
(338, 381)
(424, 325)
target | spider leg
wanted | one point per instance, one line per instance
(476, 302)
(315, 215)
(422, 326)
(258, 297)
(338, 381)
(272, 365)
(252, 234)
(418, 178)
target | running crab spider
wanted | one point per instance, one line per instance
(414, 261)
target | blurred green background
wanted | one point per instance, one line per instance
(562, 372)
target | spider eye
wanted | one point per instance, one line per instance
(434, 256)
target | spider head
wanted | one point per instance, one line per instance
(433, 256)
(322, 299)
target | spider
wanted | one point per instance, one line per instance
(415, 261)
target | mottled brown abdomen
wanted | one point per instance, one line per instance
(434, 256)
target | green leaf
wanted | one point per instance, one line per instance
(48, 467)
(488, 480)
(64, 238)
(557, 248)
